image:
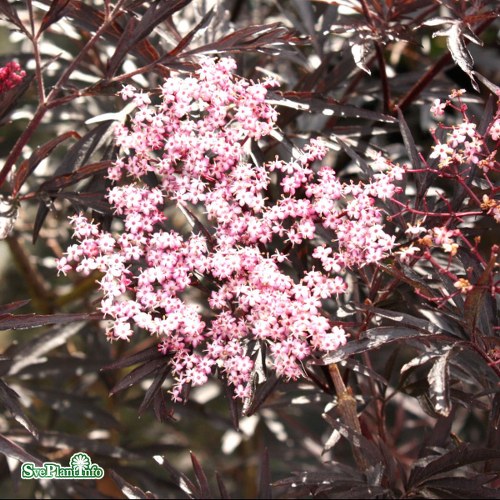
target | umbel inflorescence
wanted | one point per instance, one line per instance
(196, 140)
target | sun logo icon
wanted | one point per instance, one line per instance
(80, 462)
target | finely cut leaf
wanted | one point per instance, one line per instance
(137, 375)
(439, 384)
(128, 490)
(40, 153)
(308, 101)
(411, 148)
(60, 181)
(13, 450)
(258, 38)
(55, 12)
(222, 487)
(77, 156)
(455, 34)
(12, 306)
(202, 25)
(461, 487)
(201, 478)
(460, 456)
(360, 52)
(265, 490)
(144, 356)
(154, 388)
(24, 321)
(357, 440)
(10, 399)
(476, 297)
(184, 483)
(32, 353)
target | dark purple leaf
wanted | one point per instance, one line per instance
(154, 388)
(353, 347)
(128, 490)
(409, 142)
(10, 12)
(55, 12)
(440, 435)
(83, 201)
(475, 298)
(384, 334)
(337, 471)
(40, 153)
(23, 321)
(360, 52)
(41, 214)
(357, 367)
(494, 433)
(75, 406)
(9, 99)
(439, 384)
(157, 12)
(462, 487)
(420, 360)
(360, 162)
(12, 306)
(234, 406)
(251, 38)
(368, 448)
(62, 441)
(162, 411)
(137, 30)
(339, 481)
(460, 456)
(260, 395)
(60, 181)
(91, 19)
(455, 34)
(13, 450)
(32, 352)
(187, 39)
(222, 488)
(138, 374)
(495, 89)
(122, 47)
(265, 490)
(410, 277)
(201, 478)
(78, 155)
(308, 101)
(180, 479)
(10, 399)
(144, 356)
(405, 319)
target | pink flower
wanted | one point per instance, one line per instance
(442, 151)
(438, 107)
(11, 75)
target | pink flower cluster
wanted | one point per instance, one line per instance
(11, 75)
(212, 296)
(464, 144)
(467, 157)
(436, 237)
